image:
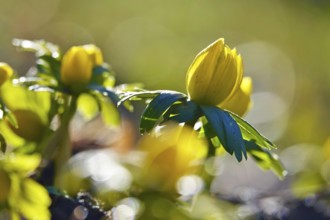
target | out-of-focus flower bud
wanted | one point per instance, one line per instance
(240, 102)
(76, 68)
(5, 72)
(170, 154)
(94, 53)
(215, 74)
(30, 126)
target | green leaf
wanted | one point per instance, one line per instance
(102, 75)
(19, 97)
(183, 112)
(3, 144)
(88, 106)
(22, 164)
(250, 133)
(39, 47)
(49, 65)
(129, 87)
(29, 198)
(109, 113)
(107, 100)
(134, 96)
(207, 131)
(156, 108)
(265, 159)
(33, 80)
(11, 118)
(226, 129)
(38, 88)
(105, 92)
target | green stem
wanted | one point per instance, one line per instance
(211, 148)
(3, 144)
(59, 140)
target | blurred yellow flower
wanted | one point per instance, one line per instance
(94, 53)
(170, 153)
(5, 72)
(29, 111)
(30, 126)
(77, 65)
(24, 196)
(215, 76)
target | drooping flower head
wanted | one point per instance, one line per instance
(215, 75)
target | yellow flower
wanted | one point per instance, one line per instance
(94, 53)
(240, 102)
(215, 75)
(77, 65)
(170, 154)
(30, 125)
(5, 72)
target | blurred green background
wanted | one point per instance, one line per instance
(285, 47)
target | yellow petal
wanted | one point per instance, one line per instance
(94, 53)
(215, 74)
(76, 68)
(238, 75)
(240, 101)
(5, 72)
(200, 72)
(170, 155)
(226, 78)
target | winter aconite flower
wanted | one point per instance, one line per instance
(77, 65)
(5, 72)
(215, 75)
(170, 154)
(22, 196)
(94, 53)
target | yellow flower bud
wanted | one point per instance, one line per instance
(76, 67)
(94, 53)
(215, 74)
(170, 154)
(240, 102)
(5, 72)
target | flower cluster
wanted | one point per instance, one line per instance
(179, 133)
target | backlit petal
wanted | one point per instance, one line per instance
(240, 101)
